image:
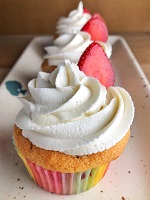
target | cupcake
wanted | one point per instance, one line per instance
(73, 23)
(71, 45)
(71, 127)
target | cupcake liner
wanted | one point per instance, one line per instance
(65, 183)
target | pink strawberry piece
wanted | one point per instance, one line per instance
(94, 62)
(97, 28)
(86, 11)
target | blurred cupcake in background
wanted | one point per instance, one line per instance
(76, 38)
(73, 23)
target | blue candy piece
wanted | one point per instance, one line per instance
(15, 88)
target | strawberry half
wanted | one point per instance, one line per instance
(97, 28)
(86, 11)
(94, 62)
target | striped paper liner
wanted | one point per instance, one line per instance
(65, 183)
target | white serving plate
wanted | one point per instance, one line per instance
(128, 177)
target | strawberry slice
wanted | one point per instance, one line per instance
(86, 11)
(97, 28)
(94, 62)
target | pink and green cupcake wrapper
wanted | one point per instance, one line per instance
(64, 183)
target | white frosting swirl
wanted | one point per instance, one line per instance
(71, 47)
(73, 113)
(74, 22)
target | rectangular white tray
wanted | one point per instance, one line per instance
(128, 177)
